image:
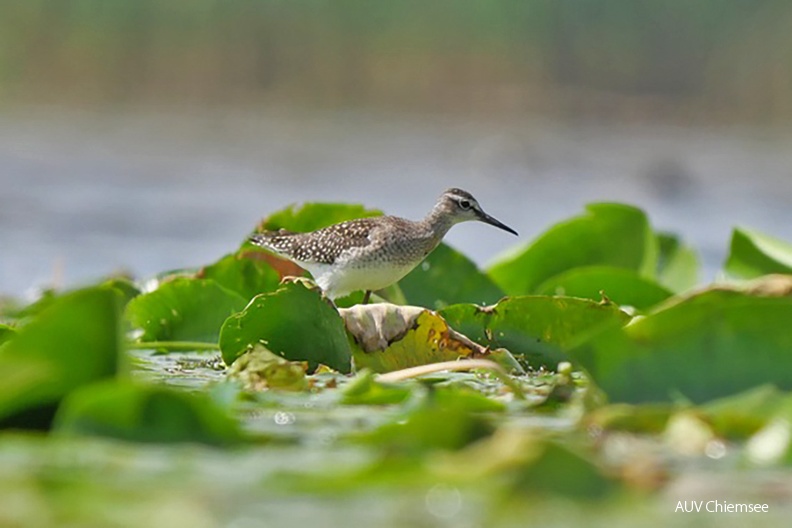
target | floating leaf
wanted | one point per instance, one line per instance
(614, 235)
(293, 322)
(711, 345)
(44, 301)
(742, 415)
(242, 274)
(678, 265)
(75, 340)
(753, 254)
(644, 418)
(535, 329)
(183, 309)
(446, 277)
(6, 333)
(124, 286)
(365, 390)
(259, 369)
(145, 413)
(312, 216)
(557, 470)
(386, 337)
(622, 286)
(449, 421)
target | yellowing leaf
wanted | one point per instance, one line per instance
(260, 369)
(386, 337)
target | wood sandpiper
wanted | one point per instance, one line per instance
(372, 253)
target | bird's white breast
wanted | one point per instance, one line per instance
(340, 279)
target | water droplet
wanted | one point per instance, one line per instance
(284, 418)
(443, 501)
(715, 449)
(425, 265)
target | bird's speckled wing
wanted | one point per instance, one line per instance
(322, 246)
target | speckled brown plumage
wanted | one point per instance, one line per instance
(371, 253)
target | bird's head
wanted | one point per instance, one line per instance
(460, 206)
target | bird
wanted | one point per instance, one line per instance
(372, 253)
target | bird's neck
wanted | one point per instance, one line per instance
(438, 222)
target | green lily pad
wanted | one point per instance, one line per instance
(450, 418)
(622, 286)
(44, 301)
(678, 265)
(742, 415)
(753, 254)
(145, 413)
(6, 333)
(535, 329)
(259, 369)
(708, 346)
(124, 286)
(75, 340)
(312, 216)
(364, 389)
(183, 309)
(294, 322)
(645, 418)
(447, 277)
(608, 234)
(557, 470)
(242, 274)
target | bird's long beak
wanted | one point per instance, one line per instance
(487, 219)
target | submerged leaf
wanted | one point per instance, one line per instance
(608, 234)
(145, 413)
(710, 345)
(753, 254)
(183, 309)
(294, 322)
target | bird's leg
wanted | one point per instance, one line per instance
(366, 297)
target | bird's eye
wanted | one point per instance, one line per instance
(464, 204)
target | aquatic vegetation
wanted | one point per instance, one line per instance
(599, 363)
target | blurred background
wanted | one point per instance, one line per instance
(145, 135)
